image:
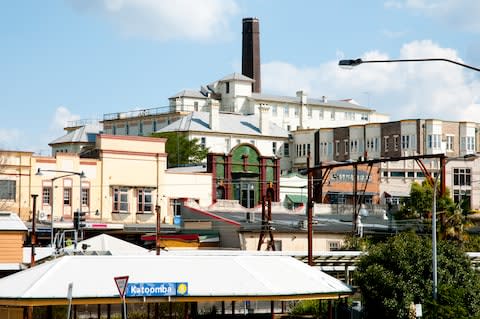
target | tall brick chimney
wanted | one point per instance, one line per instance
(251, 52)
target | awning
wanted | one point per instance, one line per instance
(297, 199)
(359, 193)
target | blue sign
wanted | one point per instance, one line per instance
(156, 289)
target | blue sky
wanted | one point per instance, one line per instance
(79, 59)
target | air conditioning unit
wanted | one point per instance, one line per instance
(43, 216)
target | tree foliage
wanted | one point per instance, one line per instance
(420, 202)
(395, 274)
(181, 150)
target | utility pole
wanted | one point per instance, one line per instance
(33, 236)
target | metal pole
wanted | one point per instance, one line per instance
(33, 236)
(310, 212)
(157, 237)
(434, 239)
(51, 215)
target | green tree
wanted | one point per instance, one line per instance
(181, 150)
(394, 274)
(420, 202)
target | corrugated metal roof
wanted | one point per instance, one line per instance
(107, 243)
(345, 104)
(208, 278)
(83, 134)
(236, 76)
(189, 93)
(227, 123)
(10, 221)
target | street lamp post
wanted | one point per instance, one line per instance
(350, 63)
(66, 174)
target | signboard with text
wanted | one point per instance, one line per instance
(156, 289)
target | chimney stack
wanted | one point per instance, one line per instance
(214, 114)
(251, 52)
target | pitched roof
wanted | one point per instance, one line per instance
(11, 222)
(211, 278)
(228, 123)
(188, 93)
(237, 77)
(345, 104)
(110, 244)
(82, 134)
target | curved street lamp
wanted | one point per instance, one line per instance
(350, 63)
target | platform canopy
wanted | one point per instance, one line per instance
(207, 278)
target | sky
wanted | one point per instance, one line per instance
(68, 60)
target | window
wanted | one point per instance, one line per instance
(227, 145)
(385, 142)
(320, 114)
(114, 130)
(308, 149)
(434, 140)
(309, 111)
(8, 189)
(345, 144)
(295, 111)
(120, 199)
(286, 149)
(47, 195)
(364, 117)
(274, 148)
(195, 106)
(397, 174)
(154, 126)
(304, 148)
(395, 142)
(334, 245)
(337, 147)
(144, 201)
(286, 111)
(85, 196)
(140, 128)
(239, 141)
(332, 115)
(203, 141)
(127, 129)
(176, 206)
(463, 197)
(67, 196)
(461, 176)
(274, 110)
(227, 87)
(450, 140)
(405, 141)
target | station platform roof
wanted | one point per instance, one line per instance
(207, 278)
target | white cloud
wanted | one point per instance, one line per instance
(9, 139)
(459, 14)
(61, 117)
(439, 90)
(166, 19)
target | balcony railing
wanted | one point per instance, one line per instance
(139, 113)
(83, 122)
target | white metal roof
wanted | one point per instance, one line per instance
(208, 277)
(107, 243)
(10, 221)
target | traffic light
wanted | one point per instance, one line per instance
(79, 220)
